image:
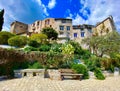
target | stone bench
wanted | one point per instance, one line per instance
(29, 73)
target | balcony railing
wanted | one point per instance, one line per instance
(62, 36)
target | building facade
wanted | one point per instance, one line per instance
(104, 27)
(19, 28)
(64, 28)
(81, 31)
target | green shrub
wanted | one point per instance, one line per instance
(92, 63)
(108, 64)
(44, 48)
(30, 48)
(56, 47)
(85, 54)
(4, 36)
(82, 69)
(67, 49)
(35, 65)
(2, 69)
(40, 38)
(77, 47)
(11, 59)
(98, 73)
(54, 59)
(81, 53)
(18, 41)
(33, 43)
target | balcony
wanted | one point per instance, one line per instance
(62, 36)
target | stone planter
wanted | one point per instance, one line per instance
(116, 71)
(91, 75)
(17, 74)
(54, 74)
(107, 73)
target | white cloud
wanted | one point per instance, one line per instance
(51, 4)
(43, 7)
(21, 11)
(99, 10)
(78, 20)
(8, 14)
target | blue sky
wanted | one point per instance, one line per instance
(81, 11)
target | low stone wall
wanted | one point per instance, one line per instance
(29, 73)
(50, 73)
(91, 75)
(54, 74)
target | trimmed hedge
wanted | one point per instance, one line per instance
(4, 36)
(18, 41)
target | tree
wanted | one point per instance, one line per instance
(1, 19)
(4, 36)
(110, 44)
(50, 32)
(40, 38)
(106, 44)
(68, 52)
(18, 41)
(93, 43)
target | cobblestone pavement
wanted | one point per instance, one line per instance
(41, 84)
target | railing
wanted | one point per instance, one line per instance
(62, 36)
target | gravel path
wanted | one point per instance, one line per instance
(41, 84)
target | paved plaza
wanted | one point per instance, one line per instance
(45, 84)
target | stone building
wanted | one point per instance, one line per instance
(81, 31)
(104, 27)
(64, 28)
(19, 28)
(61, 25)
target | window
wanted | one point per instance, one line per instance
(38, 23)
(21, 26)
(61, 27)
(82, 34)
(75, 35)
(47, 22)
(68, 28)
(33, 24)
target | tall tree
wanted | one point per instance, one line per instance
(1, 19)
(50, 32)
(104, 45)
